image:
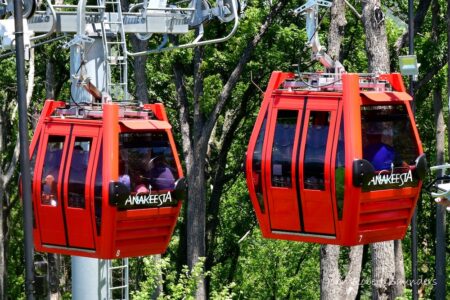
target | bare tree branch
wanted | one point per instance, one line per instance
(419, 18)
(431, 73)
(235, 75)
(198, 93)
(235, 116)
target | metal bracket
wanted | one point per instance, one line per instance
(312, 4)
(78, 39)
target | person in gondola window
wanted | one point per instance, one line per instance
(157, 174)
(49, 191)
(378, 146)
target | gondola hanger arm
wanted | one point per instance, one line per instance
(310, 10)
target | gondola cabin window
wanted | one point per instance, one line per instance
(340, 171)
(98, 192)
(389, 145)
(51, 169)
(257, 166)
(78, 172)
(147, 167)
(316, 145)
(282, 148)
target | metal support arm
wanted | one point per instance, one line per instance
(197, 41)
(310, 10)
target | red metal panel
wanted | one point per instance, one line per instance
(110, 173)
(353, 150)
(158, 109)
(395, 79)
(145, 231)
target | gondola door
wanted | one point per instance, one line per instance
(297, 158)
(47, 190)
(61, 198)
(280, 162)
(78, 204)
(315, 171)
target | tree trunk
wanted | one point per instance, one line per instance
(385, 266)
(383, 270)
(140, 74)
(54, 263)
(376, 37)
(3, 272)
(400, 283)
(440, 125)
(49, 80)
(337, 27)
(332, 286)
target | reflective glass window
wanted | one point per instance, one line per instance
(389, 144)
(315, 148)
(340, 171)
(257, 165)
(32, 167)
(283, 144)
(33, 161)
(98, 191)
(78, 171)
(51, 169)
(146, 162)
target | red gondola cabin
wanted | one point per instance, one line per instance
(106, 183)
(335, 160)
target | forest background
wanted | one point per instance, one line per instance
(213, 94)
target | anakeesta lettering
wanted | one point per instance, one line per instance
(387, 177)
(153, 200)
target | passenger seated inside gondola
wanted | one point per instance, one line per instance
(378, 147)
(145, 167)
(124, 177)
(161, 174)
(50, 174)
(49, 191)
(157, 175)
